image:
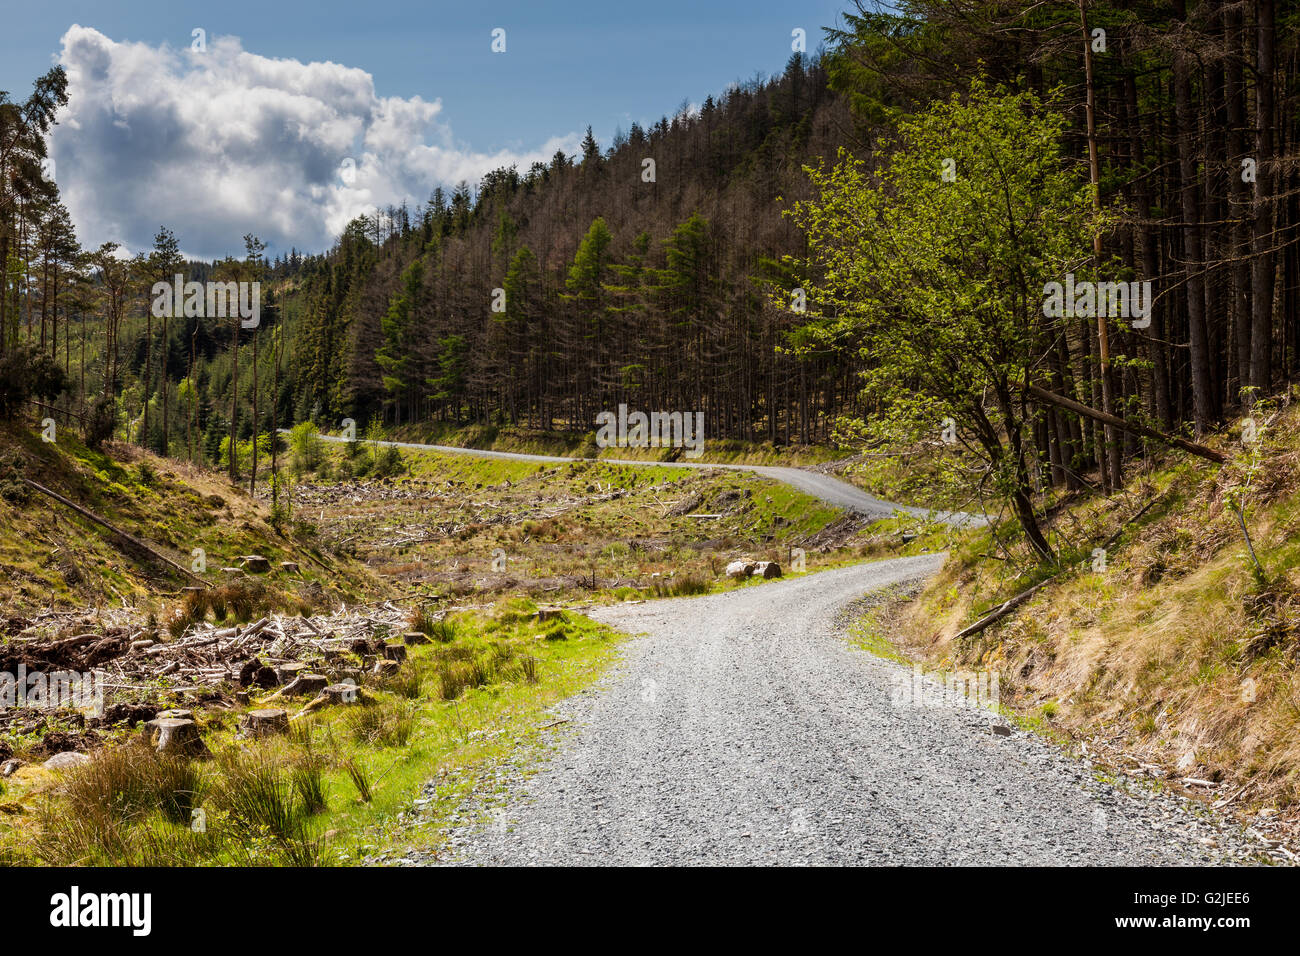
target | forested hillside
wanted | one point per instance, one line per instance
(677, 268)
(631, 274)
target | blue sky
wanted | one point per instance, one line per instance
(566, 65)
(251, 134)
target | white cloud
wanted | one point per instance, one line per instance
(217, 143)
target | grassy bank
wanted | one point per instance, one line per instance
(1172, 652)
(51, 557)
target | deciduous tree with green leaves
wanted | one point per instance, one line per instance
(937, 258)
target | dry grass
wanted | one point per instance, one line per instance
(1177, 654)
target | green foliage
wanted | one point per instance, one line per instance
(99, 421)
(397, 356)
(27, 373)
(942, 276)
(590, 264)
(305, 447)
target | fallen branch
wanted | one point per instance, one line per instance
(1134, 428)
(1002, 610)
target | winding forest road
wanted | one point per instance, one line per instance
(828, 489)
(743, 728)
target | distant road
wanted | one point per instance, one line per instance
(828, 489)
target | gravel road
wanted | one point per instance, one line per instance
(744, 728)
(828, 489)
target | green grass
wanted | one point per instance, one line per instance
(332, 790)
(51, 555)
(867, 633)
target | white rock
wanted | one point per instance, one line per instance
(66, 761)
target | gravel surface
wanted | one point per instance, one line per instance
(744, 728)
(828, 489)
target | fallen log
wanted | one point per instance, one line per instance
(1002, 610)
(1042, 394)
(91, 516)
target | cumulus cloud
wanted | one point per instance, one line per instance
(218, 142)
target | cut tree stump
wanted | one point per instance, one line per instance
(303, 685)
(395, 652)
(255, 672)
(289, 672)
(265, 722)
(342, 693)
(255, 564)
(170, 735)
(383, 668)
(413, 638)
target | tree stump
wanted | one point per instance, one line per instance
(345, 693)
(302, 686)
(265, 722)
(255, 564)
(288, 672)
(395, 652)
(255, 672)
(384, 668)
(177, 714)
(413, 638)
(170, 735)
(344, 674)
